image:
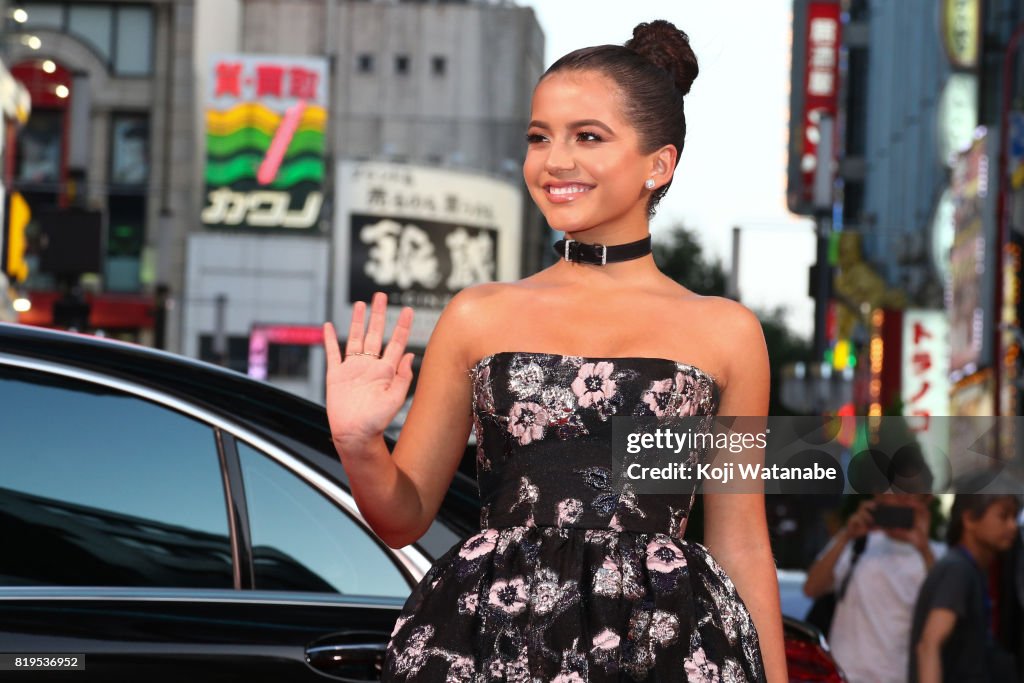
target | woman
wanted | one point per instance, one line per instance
(571, 579)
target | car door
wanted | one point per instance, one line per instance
(124, 542)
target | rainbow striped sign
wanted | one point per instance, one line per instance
(266, 120)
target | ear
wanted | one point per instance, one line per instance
(663, 164)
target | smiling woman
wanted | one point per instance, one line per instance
(574, 577)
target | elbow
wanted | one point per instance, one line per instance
(399, 538)
(813, 589)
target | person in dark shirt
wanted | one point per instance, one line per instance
(951, 638)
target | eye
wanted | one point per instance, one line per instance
(532, 138)
(587, 136)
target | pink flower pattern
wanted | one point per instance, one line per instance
(513, 604)
(526, 421)
(593, 383)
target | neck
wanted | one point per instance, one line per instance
(981, 553)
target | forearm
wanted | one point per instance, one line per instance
(929, 663)
(387, 498)
(820, 575)
(752, 569)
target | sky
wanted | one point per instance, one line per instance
(733, 168)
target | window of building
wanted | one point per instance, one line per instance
(287, 361)
(129, 149)
(40, 148)
(237, 352)
(438, 65)
(125, 493)
(94, 25)
(44, 15)
(402, 64)
(121, 35)
(364, 63)
(134, 55)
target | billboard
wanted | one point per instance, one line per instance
(266, 121)
(971, 263)
(420, 234)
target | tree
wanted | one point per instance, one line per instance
(681, 257)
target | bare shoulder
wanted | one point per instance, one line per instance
(734, 325)
(471, 313)
(731, 332)
(476, 305)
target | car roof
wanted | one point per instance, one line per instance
(261, 406)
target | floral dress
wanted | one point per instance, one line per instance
(572, 579)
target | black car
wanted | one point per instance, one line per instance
(165, 519)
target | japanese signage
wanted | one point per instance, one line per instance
(817, 35)
(420, 235)
(925, 381)
(961, 23)
(969, 265)
(266, 118)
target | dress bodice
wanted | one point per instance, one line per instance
(543, 425)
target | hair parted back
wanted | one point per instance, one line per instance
(654, 71)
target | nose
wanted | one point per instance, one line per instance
(559, 158)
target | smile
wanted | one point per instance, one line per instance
(561, 193)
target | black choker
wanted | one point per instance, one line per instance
(599, 254)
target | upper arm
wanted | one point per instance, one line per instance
(735, 520)
(434, 436)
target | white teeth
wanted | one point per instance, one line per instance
(569, 189)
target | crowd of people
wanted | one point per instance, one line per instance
(900, 607)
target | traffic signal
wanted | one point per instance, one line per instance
(13, 253)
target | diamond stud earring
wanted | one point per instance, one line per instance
(649, 183)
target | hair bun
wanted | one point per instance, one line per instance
(665, 46)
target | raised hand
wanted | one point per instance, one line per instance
(367, 389)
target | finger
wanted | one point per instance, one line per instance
(399, 337)
(378, 319)
(331, 345)
(355, 329)
(403, 378)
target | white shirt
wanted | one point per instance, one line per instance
(870, 634)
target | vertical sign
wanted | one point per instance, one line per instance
(967, 262)
(266, 118)
(815, 94)
(925, 382)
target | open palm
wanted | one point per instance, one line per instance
(366, 390)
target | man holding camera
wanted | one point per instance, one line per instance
(876, 581)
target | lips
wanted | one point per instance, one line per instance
(566, 192)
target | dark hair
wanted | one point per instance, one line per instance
(975, 504)
(654, 70)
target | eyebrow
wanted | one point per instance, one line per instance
(575, 124)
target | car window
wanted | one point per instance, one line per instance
(101, 488)
(304, 542)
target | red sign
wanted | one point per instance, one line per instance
(821, 83)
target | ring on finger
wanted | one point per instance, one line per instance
(364, 353)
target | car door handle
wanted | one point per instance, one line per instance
(357, 656)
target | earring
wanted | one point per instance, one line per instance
(649, 183)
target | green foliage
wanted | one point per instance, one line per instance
(681, 257)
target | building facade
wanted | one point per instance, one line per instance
(105, 162)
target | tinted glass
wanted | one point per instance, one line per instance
(101, 488)
(302, 541)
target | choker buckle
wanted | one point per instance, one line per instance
(572, 249)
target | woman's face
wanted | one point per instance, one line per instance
(583, 163)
